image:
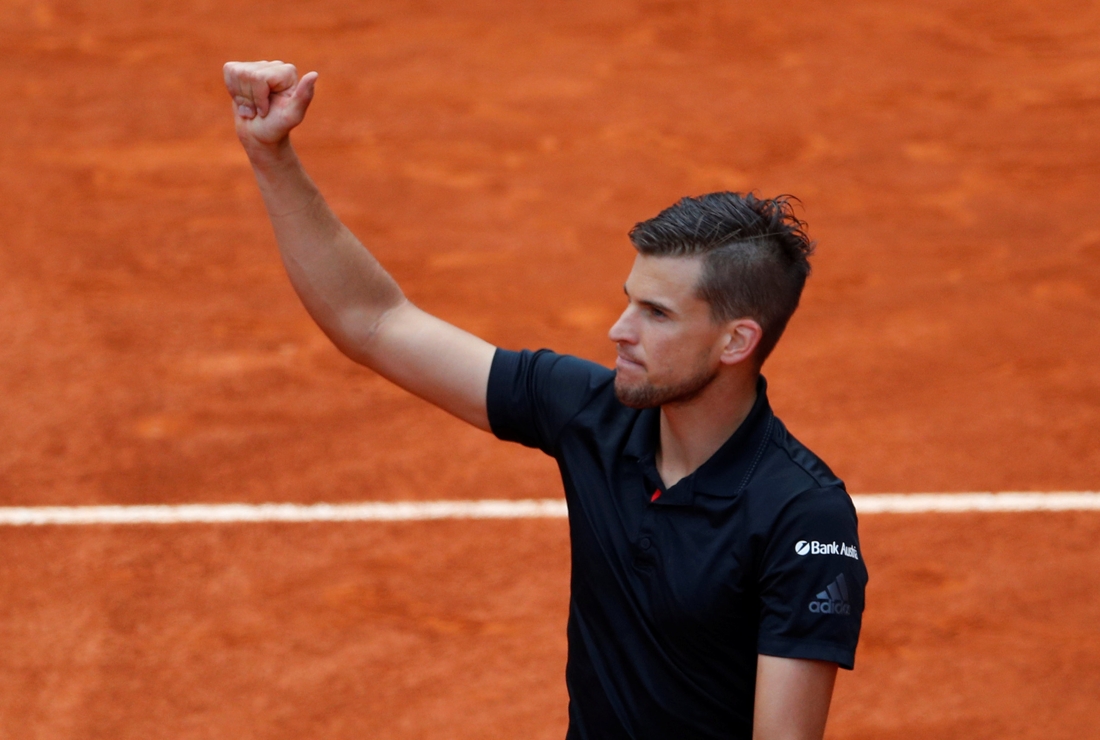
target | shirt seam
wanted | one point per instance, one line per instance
(759, 454)
(818, 483)
(792, 644)
(793, 641)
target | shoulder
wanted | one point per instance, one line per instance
(546, 366)
(792, 481)
(788, 465)
(532, 396)
(792, 458)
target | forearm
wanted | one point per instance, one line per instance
(341, 285)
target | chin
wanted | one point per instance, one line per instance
(643, 395)
(636, 396)
(647, 395)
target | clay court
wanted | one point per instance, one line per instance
(493, 155)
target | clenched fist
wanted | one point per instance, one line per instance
(268, 98)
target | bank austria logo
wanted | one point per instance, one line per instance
(813, 547)
(834, 599)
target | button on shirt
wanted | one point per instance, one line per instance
(675, 591)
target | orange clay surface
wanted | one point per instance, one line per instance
(494, 154)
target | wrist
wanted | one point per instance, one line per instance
(269, 156)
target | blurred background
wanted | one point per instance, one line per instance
(493, 155)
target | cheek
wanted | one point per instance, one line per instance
(679, 353)
(664, 352)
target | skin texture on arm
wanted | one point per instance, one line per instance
(342, 286)
(792, 698)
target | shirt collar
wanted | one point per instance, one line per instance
(726, 472)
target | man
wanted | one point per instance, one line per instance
(716, 577)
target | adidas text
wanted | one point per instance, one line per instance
(830, 607)
(834, 599)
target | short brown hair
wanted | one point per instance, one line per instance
(755, 251)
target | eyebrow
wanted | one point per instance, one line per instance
(652, 304)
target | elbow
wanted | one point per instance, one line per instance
(355, 331)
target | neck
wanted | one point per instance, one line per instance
(692, 431)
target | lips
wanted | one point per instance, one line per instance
(625, 363)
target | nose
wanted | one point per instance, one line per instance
(622, 331)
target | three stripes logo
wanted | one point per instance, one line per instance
(834, 599)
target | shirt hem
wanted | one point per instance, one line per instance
(842, 656)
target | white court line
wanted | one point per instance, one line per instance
(919, 503)
(402, 511)
(892, 503)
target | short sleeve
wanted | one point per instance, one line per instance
(813, 580)
(532, 396)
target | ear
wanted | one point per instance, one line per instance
(741, 339)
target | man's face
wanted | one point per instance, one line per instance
(668, 344)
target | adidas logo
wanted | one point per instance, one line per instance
(834, 599)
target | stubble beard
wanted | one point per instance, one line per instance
(648, 395)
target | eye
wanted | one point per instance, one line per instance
(657, 313)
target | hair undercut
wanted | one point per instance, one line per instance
(755, 255)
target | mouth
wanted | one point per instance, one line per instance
(622, 362)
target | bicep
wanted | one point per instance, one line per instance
(432, 359)
(792, 698)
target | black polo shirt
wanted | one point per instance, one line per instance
(676, 590)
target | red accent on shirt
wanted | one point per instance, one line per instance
(656, 495)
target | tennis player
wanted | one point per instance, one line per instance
(717, 580)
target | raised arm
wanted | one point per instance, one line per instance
(343, 287)
(792, 698)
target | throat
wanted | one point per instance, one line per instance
(690, 434)
(672, 472)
